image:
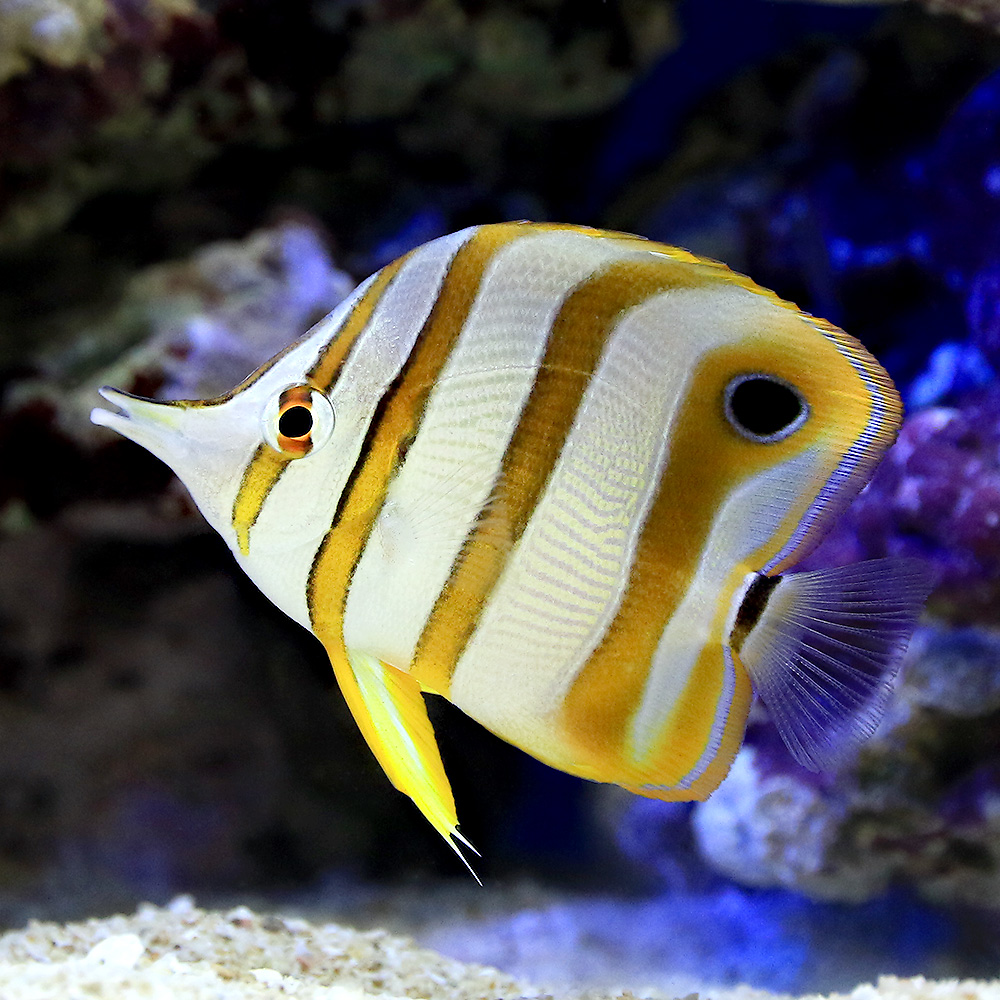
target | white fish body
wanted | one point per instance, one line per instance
(558, 475)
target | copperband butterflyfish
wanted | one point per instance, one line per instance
(559, 476)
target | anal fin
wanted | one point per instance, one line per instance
(389, 708)
(825, 650)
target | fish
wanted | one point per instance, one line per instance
(559, 476)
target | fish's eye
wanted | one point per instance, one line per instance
(764, 408)
(298, 420)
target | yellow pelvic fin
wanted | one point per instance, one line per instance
(389, 709)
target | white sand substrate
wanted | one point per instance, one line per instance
(181, 952)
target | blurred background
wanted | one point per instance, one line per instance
(186, 186)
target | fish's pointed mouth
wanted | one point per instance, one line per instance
(147, 422)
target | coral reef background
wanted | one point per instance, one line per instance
(185, 187)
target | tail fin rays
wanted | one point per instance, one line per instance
(826, 648)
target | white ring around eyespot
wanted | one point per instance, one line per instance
(735, 383)
(322, 412)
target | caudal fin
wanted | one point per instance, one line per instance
(826, 648)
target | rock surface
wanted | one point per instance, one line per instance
(985, 12)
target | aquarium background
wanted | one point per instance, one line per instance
(185, 188)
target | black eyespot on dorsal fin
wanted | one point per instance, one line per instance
(764, 408)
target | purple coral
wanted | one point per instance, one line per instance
(937, 495)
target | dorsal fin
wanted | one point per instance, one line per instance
(825, 648)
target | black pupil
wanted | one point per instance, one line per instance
(295, 422)
(763, 407)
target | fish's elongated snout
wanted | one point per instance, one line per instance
(202, 442)
(151, 424)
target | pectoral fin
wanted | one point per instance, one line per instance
(825, 649)
(390, 712)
